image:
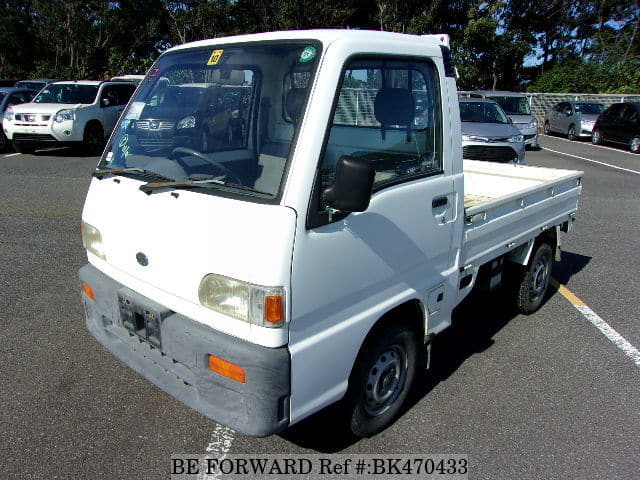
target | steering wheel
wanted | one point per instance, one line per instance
(189, 151)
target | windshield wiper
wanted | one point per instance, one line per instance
(150, 187)
(101, 173)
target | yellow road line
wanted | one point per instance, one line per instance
(566, 293)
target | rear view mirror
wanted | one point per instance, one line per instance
(352, 185)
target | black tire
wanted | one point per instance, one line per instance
(571, 133)
(634, 145)
(93, 139)
(21, 148)
(596, 136)
(530, 283)
(381, 379)
(547, 128)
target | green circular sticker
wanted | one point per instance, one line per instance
(308, 54)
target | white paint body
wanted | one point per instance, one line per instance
(341, 278)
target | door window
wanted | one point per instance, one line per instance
(387, 112)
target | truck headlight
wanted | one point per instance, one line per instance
(8, 114)
(187, 122)
(516, 139)
(65, 115)
(263, 306)
(92, 240)
(474, 138)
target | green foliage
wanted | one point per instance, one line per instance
(583, 45)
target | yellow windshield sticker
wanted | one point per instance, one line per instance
(215, 57)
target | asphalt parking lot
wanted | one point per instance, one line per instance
(544, 396)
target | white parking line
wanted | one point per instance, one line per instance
(11, 155)
(592, 161)
(606, 329)
(589, 144)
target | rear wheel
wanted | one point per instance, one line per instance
(93, 139)
(596, 137)
(571, 133)
(547, 128)
(530, 282)
(381, 379)
(635, 144)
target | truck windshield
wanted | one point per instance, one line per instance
(67, 93)
(223, 113)
(482, 112)
(513, 105)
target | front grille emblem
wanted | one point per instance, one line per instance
(142, 259)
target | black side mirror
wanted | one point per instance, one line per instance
(104, 102)
(352, 185)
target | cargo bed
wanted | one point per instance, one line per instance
(507, 205)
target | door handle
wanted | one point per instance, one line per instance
(439, 202)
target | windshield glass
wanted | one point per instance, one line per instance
(513, 105)
(67, 93)
(224, 113)
(589, 108)
(31, 85)
(482, 112)
(2, 95)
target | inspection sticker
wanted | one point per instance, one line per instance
(308, 54)
(215, 57)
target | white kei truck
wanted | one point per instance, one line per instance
(314, 258)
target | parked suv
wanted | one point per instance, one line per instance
(68, 113)
(620, 123)
(201, 116)
(575, 119)
(516, 106)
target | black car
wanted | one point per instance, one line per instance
(620, 124)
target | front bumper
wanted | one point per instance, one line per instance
(44, 132)
(258, 407)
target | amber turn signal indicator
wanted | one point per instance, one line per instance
(227, 369)
(273, 309)
(86, 288)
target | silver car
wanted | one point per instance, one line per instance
(488, 134)
(573, 119)
(516, 106)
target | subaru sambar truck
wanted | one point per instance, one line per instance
(315, 258)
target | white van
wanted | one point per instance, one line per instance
(315, 258)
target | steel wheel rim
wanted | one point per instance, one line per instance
(385, 380)
(572, 133)
(596, 136)
(539, 278)
(635, 144)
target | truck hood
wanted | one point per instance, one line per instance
(186, 235)
(49, 108)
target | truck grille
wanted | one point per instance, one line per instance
(491, 154)
(31, 117)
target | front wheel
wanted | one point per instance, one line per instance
(93, 139)
(635, 144)
(571, 133)
(381, 379)
(531, 282)
(547, 128)
(596, 137)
